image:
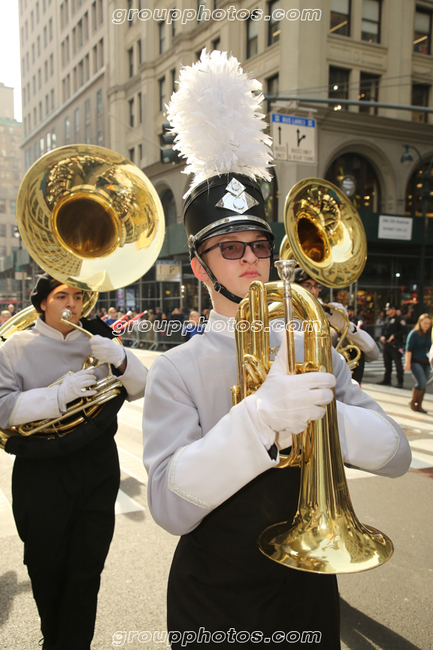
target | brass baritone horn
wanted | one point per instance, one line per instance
(325, 535)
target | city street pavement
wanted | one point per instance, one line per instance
(387, 609)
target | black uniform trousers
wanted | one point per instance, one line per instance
(64, 512)
(224, 593)
(390, 354)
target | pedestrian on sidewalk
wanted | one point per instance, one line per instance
(418, 345)
(393, 336)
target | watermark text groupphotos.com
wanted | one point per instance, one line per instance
(232, 13)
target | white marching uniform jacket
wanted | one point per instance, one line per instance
(33, 359)
(199, 450)
(364, 342)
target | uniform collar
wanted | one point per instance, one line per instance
(220, 324)
(52, 333)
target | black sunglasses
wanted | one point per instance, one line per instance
(235, 250)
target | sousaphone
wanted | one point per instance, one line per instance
(91, 219)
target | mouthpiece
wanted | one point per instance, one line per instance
(66, 314)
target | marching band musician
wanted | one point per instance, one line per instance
(64, 490)
(358, 337)
(211, 466)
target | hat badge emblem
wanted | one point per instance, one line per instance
(236, 199)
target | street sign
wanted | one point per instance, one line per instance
(168, 271)
(294, 138)
(394, 227)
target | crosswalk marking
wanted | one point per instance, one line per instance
(132, 466)
(7, 527)
(125, 504)
(423, 444)
(420, 461)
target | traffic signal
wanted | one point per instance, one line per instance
(168, 155)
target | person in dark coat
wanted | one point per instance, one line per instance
(393, 338)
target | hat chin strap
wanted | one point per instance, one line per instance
(219, 288)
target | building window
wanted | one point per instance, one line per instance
(173, 24)
(100, 138)
(161, 83)
(140, 153)
(161, 30)
(94, 19)
(169, 206)
(338, 85)
(272, 89)
(369, 91)
(363, 180)
(274, 29)
(422, 33)
(140, 54)
(140, 112)
(101, 52)
(216, 44)
(95, 59)
(77, 120)
(413, 193)
(370, 30)
(99, 106)
(131, 154)
(252, 36)
(3, 210)
(87, 112)
(173, 80)
(67, 128)
(340, 17)
(420, 97)
(131, 112)
(201, 10)
(131, 61)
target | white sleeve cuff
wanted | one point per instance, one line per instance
(209, 471)
(368, 439)
(34, 405)
(135, 376)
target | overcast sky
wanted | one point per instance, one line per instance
(10, 73)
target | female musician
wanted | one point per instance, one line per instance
(64, 490)
(211, 466)
(418, 344)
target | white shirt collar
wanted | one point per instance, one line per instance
(52, 333)
(220, 324)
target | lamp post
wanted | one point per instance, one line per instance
(425, 193)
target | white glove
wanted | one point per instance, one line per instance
(335, 318)
(284, 404)
(107, 350)
(74, 387)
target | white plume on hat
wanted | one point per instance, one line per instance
(216, 116)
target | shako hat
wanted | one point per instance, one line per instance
(216, 116)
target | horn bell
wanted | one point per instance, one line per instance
(90, 218)
(324, 233)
